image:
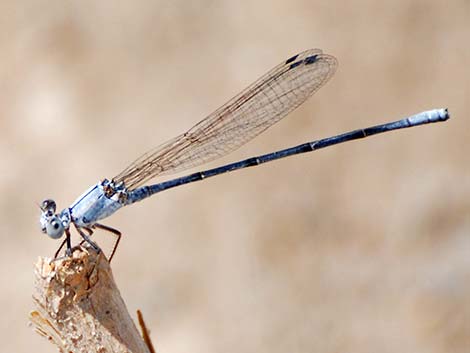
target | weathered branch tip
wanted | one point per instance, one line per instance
(79, 308)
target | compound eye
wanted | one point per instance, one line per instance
(48, 206)
(54, 228)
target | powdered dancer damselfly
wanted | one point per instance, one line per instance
(259, 106)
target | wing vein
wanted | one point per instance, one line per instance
(259, 106)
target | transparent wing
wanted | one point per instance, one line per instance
(259, 106)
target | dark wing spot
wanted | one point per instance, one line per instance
(310, 59)
(292, 59)
(295, 64)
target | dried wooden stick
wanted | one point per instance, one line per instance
(145, 332)
(79, 307)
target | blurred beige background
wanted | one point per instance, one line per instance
(363, 247)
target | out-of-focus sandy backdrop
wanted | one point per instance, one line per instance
(363, 247)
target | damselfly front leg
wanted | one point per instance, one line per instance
(86, 239)
(67, 241)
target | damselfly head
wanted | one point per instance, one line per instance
(51, 224)
(48, 206)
